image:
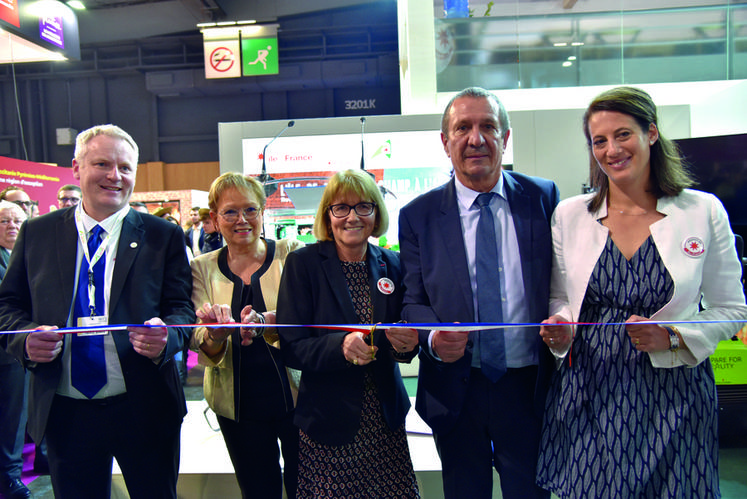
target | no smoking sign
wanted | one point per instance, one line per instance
(221, 59)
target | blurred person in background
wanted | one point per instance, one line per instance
(68, 195)
(213, 239)
(18, 196)
(195, 234)
(13, 382)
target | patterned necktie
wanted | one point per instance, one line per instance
(489, 303)
(88, 363)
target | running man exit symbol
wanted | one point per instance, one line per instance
(259, 56)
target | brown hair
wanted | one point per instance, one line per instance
(668, 175)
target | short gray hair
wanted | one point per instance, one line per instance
(478, 93)
(9, 205)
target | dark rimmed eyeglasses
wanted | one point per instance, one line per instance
(69, 200)
(232, 216)
(361, 209)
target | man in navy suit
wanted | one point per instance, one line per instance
(479, 421)
(139, 275)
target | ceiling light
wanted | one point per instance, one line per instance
(572, 58)
(76, 4)
(560, 44)
(577, 44)
(567, 64)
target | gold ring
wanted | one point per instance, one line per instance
(355, 361)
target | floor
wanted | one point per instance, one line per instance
(733, 463)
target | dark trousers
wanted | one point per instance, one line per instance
(497, 427)
(84, 435)
(13, 386)
(253, 447)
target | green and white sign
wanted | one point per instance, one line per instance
(259, 56)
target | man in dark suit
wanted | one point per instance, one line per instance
(195, 235)
(12, 378)
(129, 403)
(482, 393)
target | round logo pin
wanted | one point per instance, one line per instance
(385, 285)
(693, 246)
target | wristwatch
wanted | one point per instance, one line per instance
(674, 339)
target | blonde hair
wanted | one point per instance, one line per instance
(356, 182)
(242, 183)
(84, 137)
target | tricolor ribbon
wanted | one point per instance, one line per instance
(368, 328)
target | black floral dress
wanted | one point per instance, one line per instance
(376, 464)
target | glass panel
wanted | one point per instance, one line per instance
(568, 48)
(737, 56)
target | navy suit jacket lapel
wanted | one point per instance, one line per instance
(521, 212)
(67, 241)
(456, 270)
(333, 273)
(130, 242)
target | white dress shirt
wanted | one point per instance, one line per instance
(115, 384)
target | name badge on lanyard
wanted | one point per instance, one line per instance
(92, 320)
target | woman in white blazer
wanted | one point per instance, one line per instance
(632, 407)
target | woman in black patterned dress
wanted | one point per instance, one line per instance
(352, 402)
(631, 411)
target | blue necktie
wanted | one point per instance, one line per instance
(489, 303)
(88, 363)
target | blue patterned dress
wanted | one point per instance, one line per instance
(614, 425)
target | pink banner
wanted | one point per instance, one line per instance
(40, 181)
